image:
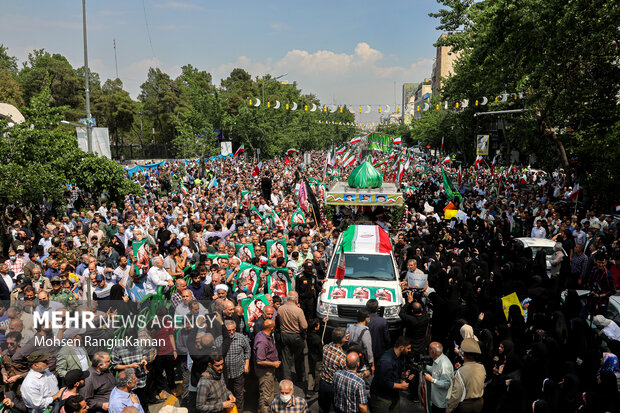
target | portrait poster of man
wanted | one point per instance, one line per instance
(298, 218)
(244, 251)
(250, 273)
(278, 281)
(142, 252)
(482, 145)
(276, 247)
(253, 309)
(216, 258)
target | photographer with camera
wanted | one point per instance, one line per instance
(440, 377)
(416, 322)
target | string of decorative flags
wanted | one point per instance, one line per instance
(365, 109)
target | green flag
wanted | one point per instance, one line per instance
(449, 187)
(262, 218)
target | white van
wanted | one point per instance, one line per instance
(370, 272)
(539, 244)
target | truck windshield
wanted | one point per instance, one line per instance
(365, 266)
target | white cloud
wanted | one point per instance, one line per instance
(361, 77)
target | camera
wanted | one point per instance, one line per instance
(425, 360)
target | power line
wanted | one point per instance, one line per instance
(148, 32)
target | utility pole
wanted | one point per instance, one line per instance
(115, 59)
(89, 124)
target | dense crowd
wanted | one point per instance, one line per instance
(225, 280)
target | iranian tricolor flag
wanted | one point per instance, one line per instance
(574, 193)
(348, 159)
(340, 268)
(398, 140)
(366, 238)
(478, 161)
(341, 150)
(257, 168)
(446, 160)
(239, 151)
(493, 165)
(355, 140)
(292, 152)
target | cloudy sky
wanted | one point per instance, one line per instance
(346, 52)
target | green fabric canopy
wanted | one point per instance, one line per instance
(365, 176)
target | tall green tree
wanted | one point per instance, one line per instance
(562, 54)
(116, 110)
(161, 99)
(44, 70)
(196, 125)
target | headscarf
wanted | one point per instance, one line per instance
(468, 332)
(610, 363)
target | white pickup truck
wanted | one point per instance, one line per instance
(370, 272)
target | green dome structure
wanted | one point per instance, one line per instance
(365, 176)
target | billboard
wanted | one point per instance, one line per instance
(226, 147)
(100, 139)
(482, 145)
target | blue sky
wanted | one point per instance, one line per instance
(346, 52)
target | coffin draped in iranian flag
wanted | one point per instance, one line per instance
(365, 187)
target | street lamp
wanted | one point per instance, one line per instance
(77, 125)
(270, 80)
(89, 125)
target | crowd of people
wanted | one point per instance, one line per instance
(204, 255)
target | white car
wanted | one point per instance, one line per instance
(538, 244)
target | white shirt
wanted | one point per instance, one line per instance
(121, 275)
(38, 389)
(82, 357)
(539, 232)
(9, 281)
(156, 277)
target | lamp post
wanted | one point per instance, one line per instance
(89, 125)
(267, 81)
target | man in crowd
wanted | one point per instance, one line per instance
(468, 389)
(349, 389)
(265, 356)
(236, 361)
(287, 402)
(440, 377)
(388, 379)
(122, 395)
(40, 387)
(292, 325)
(213, 396)
(99, 384)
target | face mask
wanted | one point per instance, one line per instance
(13, 258)
(245, 289)
(286, 398)
(44, 303)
